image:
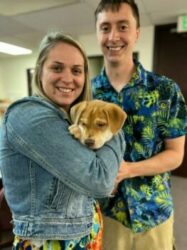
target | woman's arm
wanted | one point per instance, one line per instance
(40, 134)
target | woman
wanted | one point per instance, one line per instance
(50, 179)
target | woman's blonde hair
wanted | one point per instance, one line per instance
(48, 43)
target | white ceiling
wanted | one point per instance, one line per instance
(24, 22)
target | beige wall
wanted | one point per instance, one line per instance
(13, 77)
(2, 94)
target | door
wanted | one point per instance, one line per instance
(170, 59)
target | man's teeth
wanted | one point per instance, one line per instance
(65, 90)
(115, 48)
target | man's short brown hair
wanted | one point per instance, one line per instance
(114, 5)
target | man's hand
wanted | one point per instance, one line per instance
(124, 172)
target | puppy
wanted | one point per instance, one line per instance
(95, 122)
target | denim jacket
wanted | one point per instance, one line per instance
(50, 178)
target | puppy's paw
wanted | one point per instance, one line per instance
(75, 131)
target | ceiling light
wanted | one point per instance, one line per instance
(13, 49)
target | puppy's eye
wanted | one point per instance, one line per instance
(101, 125)
(83, 124)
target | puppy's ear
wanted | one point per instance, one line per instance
(76, 111)
(116, 117)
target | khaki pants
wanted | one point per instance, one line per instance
(118, 237)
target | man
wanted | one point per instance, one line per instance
(140, 216)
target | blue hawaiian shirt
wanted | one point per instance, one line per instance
(156, 111)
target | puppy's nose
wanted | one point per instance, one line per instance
(89, 142)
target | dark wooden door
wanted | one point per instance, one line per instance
(170, 59)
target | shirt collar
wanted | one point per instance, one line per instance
(139, 76)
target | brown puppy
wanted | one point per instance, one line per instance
(95, 122)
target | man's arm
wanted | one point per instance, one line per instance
(167, 160)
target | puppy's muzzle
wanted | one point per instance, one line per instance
(90, 143)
